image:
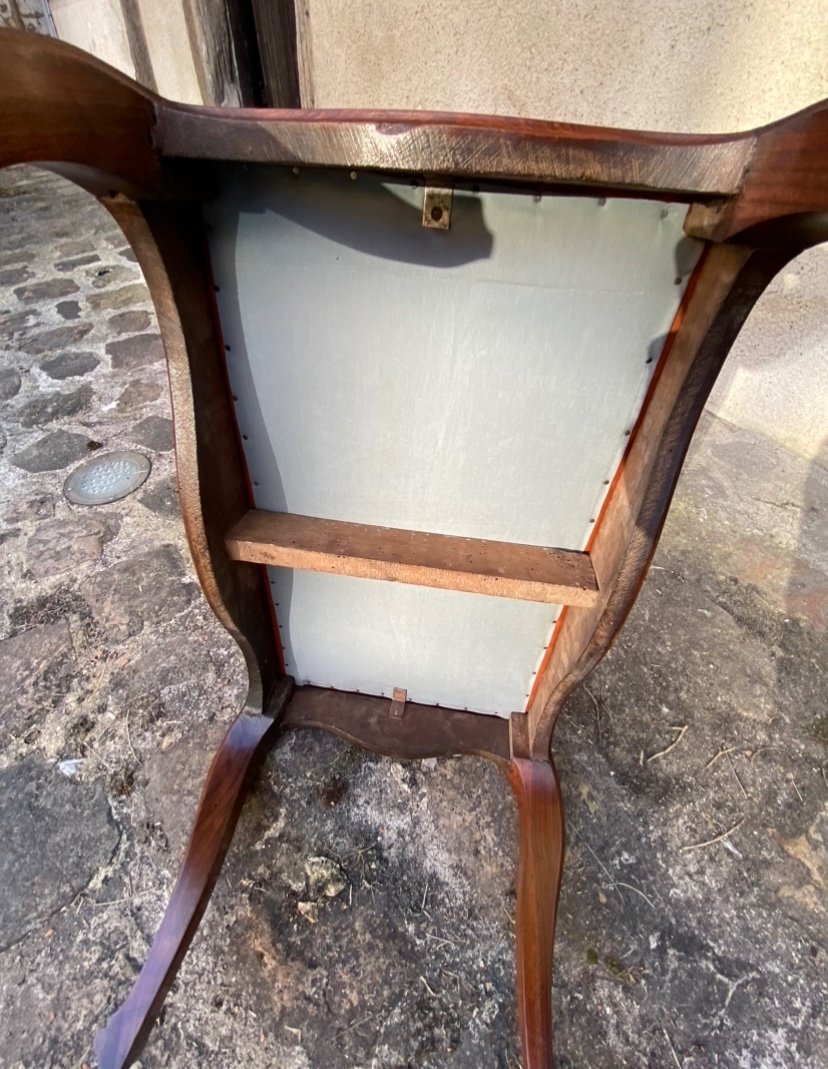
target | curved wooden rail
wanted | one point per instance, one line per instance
(729, 282)
(169, 244)
(463, 146)
(61, 108)
(422, 731)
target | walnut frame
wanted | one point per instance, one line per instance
(757, 199)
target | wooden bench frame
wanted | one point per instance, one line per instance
(756, 199)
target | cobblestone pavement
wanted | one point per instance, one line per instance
(364, 918)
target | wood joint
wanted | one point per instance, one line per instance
(397, 710)
(519, 741)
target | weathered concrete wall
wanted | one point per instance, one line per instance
(31, 15)
(775, 381)
(99, 27)
(171, 51)
(694, 65)
(96, 26)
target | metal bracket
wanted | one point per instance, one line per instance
(398, 701)
(437, 207)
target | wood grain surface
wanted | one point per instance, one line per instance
(89, 122)
(422, 731)
(460, 146)
(540, 864)
(500, 569)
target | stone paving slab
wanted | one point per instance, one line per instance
(365, 915)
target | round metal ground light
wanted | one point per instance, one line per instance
(107, 478)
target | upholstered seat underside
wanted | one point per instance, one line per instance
(480, 381)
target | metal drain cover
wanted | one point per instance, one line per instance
(107, 478)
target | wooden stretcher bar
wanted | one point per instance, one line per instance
(475, 565)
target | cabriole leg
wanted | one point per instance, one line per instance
(120, 1043)
(541, 829)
